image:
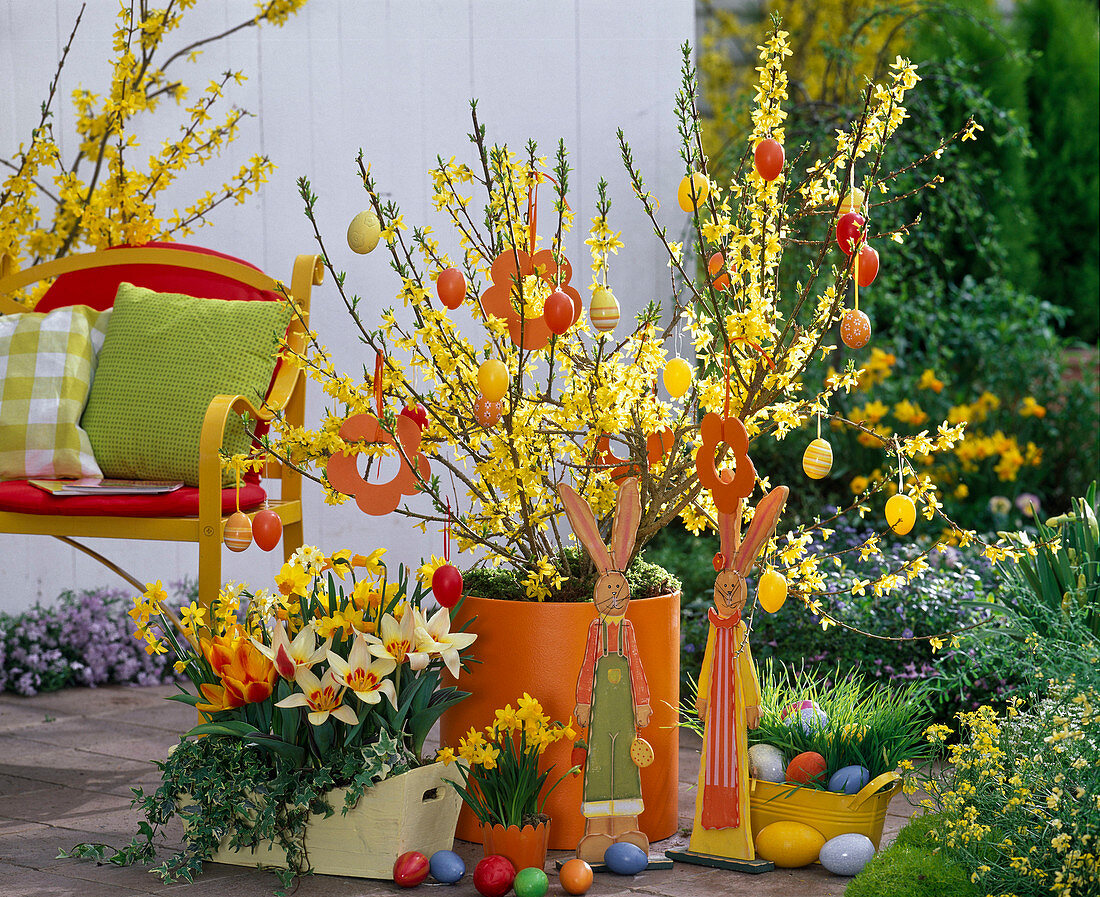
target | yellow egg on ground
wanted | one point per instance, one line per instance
(702, 188)
(852, 202)
(364, 232)
(238, 532)
(789, 844)
(901, 514)
(677, 377)
(772, 590)
(817, 460)
(603, 310)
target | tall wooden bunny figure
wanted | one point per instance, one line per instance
(729, 696)
(612, 693)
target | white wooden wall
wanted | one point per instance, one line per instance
(394, 77)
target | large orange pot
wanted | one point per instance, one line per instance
(538, 648)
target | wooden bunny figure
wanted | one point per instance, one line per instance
(612, 693)
(729, 693)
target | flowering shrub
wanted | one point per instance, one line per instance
(85, 639)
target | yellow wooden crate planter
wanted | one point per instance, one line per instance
(830, 813)
(417, 810)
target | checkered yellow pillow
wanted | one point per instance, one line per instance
(47, 362)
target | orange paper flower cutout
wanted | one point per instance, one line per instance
(726, 490)
(529, 333)
(379, 498)
(657, 446)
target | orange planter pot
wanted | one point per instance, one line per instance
(538, 648)
(525, 847)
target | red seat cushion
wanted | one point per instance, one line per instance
(23, 498)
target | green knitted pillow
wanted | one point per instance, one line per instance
(164, 358)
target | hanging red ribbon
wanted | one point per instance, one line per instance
(378, 383)
(533, 207)
(447, 535)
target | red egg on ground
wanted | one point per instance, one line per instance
(575, 876)
(809, 766)
(494, 875)
(410, 869)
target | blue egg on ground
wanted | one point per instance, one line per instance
(446, 866)
(847, 854)
(849, 779)
(625, 859)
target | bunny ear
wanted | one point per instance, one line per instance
(585, 528)
(729, 533)
(628, 515)
(760, 530)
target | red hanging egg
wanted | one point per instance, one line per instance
(488, 413)
(717, 269)
(238, 532)
(868, 266)
(769, 158)
(447, 585)
(559, 312)
(451, 287)
(410, 869)
(417, 413)
(267, 529)
(849, 232)
(855, 329)
(494, 875)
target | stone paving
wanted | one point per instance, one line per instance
(69, 759)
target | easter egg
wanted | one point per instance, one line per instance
(410, 869)
(363, 232)
(809, 766)
(447, 585)
(531, 882)
(817, 460)
(238, 532)
(417, 413)
(847, 854)
(492, 379)
(716, 267)
(677, 377)
(451, 287)
(575, 876)
(558, 312)
(767, 763)
(683, 195)
(855, 329)
(494, 875)
(901, 513)
(849, 779)
(603, 311)
(852, 202)
(488, 413)
(641, 752)
(868, 266)
(789, 844)
(805, 713)
(772, 590)
(446, 867)
(267, 529)
(849, 231)
(769, 158)
(624, 858)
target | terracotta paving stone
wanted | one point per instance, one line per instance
(67, 781)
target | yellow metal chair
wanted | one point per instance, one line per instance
(23, 512)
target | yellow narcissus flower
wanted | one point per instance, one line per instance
(324, 698)
(363, 676)
(292, 580)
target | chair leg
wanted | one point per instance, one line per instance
(292, 539)
(210, 565)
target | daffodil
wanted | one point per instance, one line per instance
(324, 697)
(363, 676)
(291, 656)
(440, 640)
(398, 641)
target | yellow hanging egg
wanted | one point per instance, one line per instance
(772, 590)
(364, 232)
(702, 188)
(492, 379)
(817, 460)
(604, 310)
(852, 202)
(789, 844)
(677, 377)
(238, 532)
(901, 513)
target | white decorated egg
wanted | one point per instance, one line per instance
(846, 854)
(808, 713)
(767, 763)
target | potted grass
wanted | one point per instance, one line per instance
(314, 700)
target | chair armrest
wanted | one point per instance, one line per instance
(210, 443)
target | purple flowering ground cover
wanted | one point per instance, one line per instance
(82, 639)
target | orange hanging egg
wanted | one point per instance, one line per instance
(855, 329)
(901, 513)
(772, 590)
(267, 529)
(717, 268)
(768, 158)
(603, 310)
(868, 266)
(817, 460)
(451, 286)
(488, 413)
(238, 532)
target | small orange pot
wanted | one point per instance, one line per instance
(525, 847)
(538, 648)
